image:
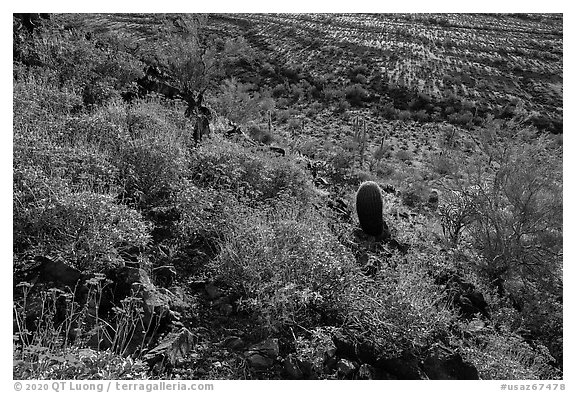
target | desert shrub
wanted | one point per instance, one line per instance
(404, 115)
(507, 356)
(443, 163)
(421, 116)
(314, 348)
(240, 103)
(294, 124)
(58, 348)
(84, 228)
(462, 118)
(342, 106)
(387, 111)
(404, 155)
(75, 363)
(284, 262)
(457, 211)
(249, 173)
(77, 167)
(260, 134)
(341, 161)
(356, 94)
(400, 308)
(38, 99)
(384, 151)
(150, 168)
(384, 170)
(102, 69)
(516, 195)
(334, 94)
(519, 207)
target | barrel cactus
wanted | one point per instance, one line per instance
(369, 209)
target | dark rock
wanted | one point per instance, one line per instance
(233, 342)
(136, 284)
(164, 275)
(262, 356)
(259, 362)
(173, 348)
(443, 363)
(292, 368)
(213, 291)
(130, 254)
(365, 372)
(345, 368)
(404, 367)
(388, 188)
(268, 347)
(329, 357)
(463, 295)
(367, 352)
(345, 347)
(402, 247)
(56, 272)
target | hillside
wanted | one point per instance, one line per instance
(187, 204)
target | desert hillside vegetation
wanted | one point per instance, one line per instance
(185, 197)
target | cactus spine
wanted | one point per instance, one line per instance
(369, 209)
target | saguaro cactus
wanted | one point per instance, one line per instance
(369, 209)
(360, 134)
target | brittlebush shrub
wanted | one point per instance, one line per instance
(100, 69)
(399, 308)
(285, 264)
(81, 168)
(250, 174)
(84, 228)
(507, 356)
(39, 101)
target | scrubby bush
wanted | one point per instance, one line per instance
(507, 356)
(356, 94)
(400, 308)
(79, 168)
(240, 103)
(101, 68)
(57, 348)
(404, 155)
(38, 99)
(150, 170)
(84, 228)
(285, 263)
(516, 198)
(249, 173)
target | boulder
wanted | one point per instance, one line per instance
(345, 368)
(443, 363)
(262, 356)
(173, 348)
(233, 342)
(405, 366)
(292, 367)
(164, 275)
(58, 273)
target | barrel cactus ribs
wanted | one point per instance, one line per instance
(369, 208)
